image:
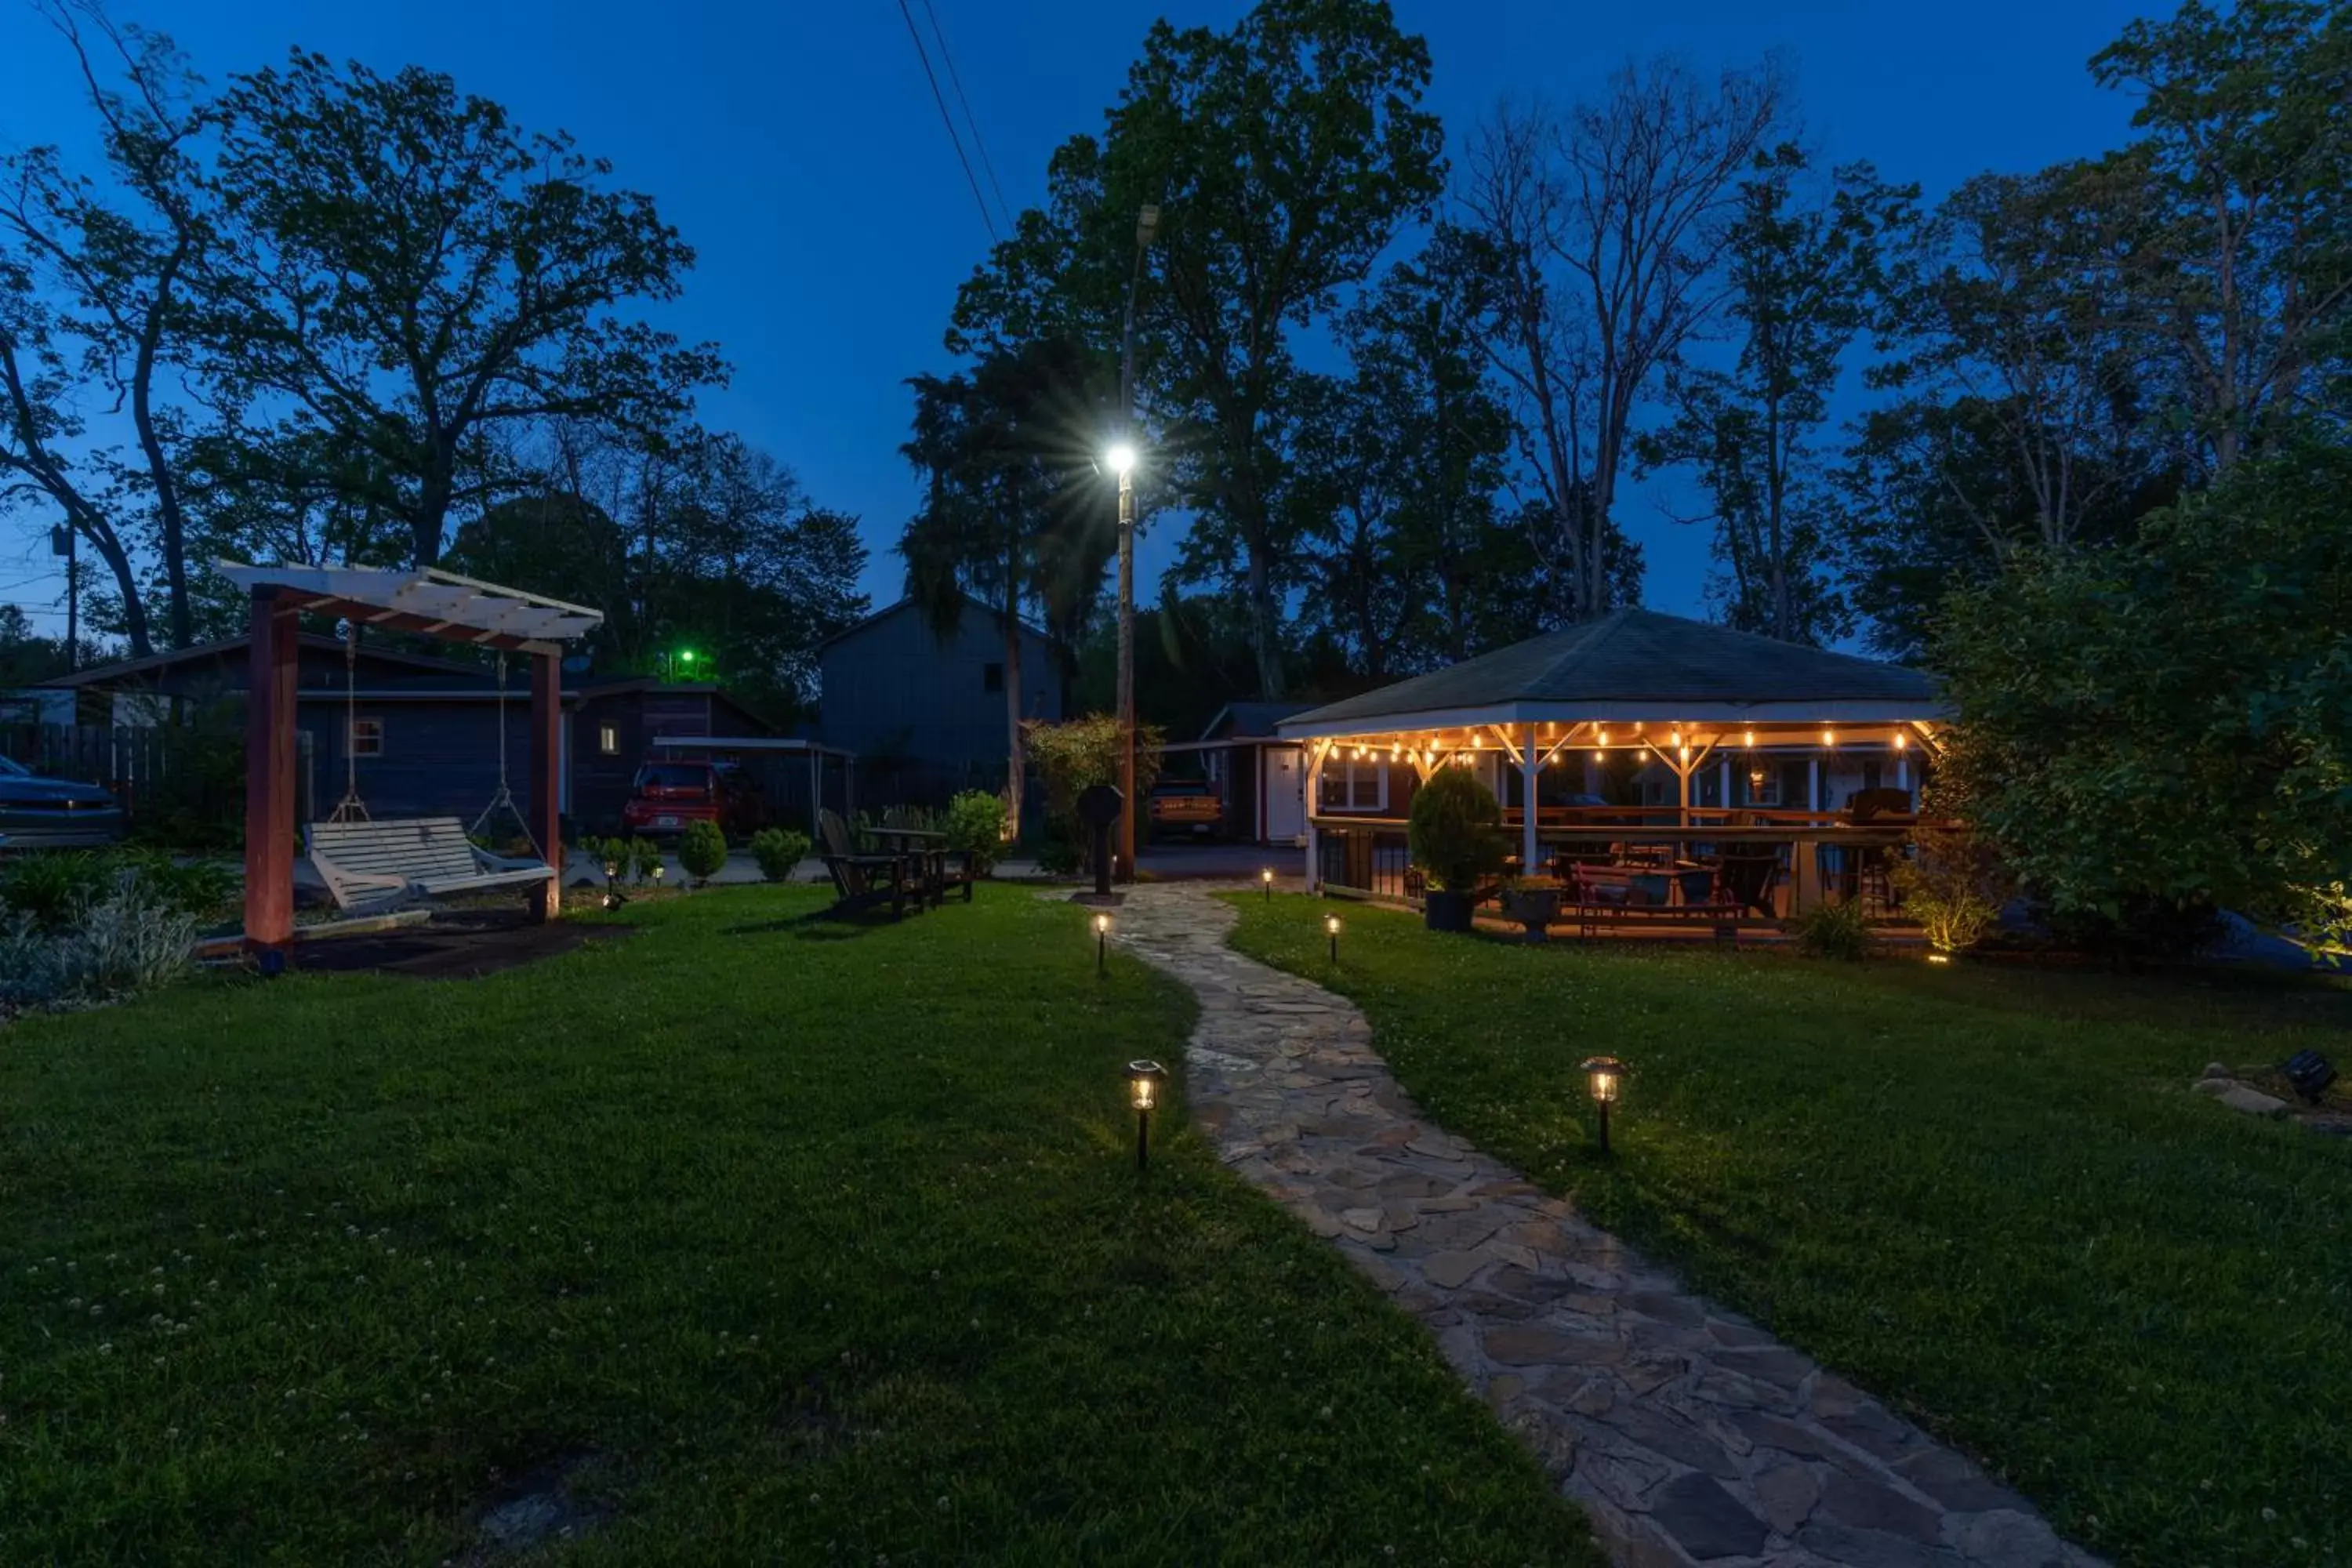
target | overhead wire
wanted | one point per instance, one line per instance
(970, 120)
(986, 217)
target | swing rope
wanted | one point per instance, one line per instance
(504, 799)
(350, 808)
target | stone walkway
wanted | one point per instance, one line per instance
(1689, 1434)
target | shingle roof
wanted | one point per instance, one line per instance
(1640, 656)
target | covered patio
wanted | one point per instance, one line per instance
(1638, 755)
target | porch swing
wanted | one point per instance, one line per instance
(370, 865)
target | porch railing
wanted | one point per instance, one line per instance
(1364, 855)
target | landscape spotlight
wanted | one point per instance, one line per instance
(1120, 459)
(2309, 1072)
(1102, 943)
(1144, 1081)
(1607, 1075)
(1331, 929)
(1267, 876)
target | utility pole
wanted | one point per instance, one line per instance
(1146, 222)
(62, 543)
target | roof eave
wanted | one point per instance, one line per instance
(1317, 725)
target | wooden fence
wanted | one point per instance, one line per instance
(175, 781)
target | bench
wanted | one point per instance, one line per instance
(370, 865)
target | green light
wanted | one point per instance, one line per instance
(686, 655)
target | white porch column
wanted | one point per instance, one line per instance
(1814, 783)
(1316, 752)
(1723, 788)
(1530, 772)
(1682, 784)
(1903, 770)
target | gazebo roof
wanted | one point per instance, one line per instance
(439, 604)
(1637, 665)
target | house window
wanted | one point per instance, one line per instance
(991, 678)
(1355, 786)
(367, 737)
(608, 740)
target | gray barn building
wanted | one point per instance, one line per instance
(926, 716)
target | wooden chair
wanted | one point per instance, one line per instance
(373, 866)
(864, 881)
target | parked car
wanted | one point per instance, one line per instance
(38, 813)
(665, 796)
(1186, 806)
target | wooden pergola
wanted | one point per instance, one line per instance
(435, 603)
(1680, 693)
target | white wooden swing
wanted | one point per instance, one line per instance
(369, 866)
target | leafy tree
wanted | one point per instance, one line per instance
(1285, 155)
(127, 255)
(1803, 278)
(1078, 754)
(1013, 515)
(2167, 725)
(409, 273)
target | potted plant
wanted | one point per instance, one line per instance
(1534, 907)
(1455, 834)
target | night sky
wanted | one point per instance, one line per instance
(797, 147)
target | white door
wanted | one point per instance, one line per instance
(1286, 794)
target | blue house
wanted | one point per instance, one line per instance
(927, 715)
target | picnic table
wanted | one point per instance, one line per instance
(926, 849)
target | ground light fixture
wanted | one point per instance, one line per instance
(1144, 1081)
(1331, 929)
(1937, 955)
(1607, 1077)
(613, 898)
(2309, 1072)
(1267, 876)
(1102, 944)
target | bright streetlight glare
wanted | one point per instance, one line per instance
(1122, 459)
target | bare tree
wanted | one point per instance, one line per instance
(1597, 238)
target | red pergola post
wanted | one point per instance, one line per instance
(547, 776)
(269, 753)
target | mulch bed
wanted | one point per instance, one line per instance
(457, 944)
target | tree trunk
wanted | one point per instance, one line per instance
(1015, 764)
(135, 626)
(170, 524)
(1265, 635)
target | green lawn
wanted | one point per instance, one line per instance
(794, 1242)
(1985, 1195)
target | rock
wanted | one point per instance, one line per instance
(1451, 1270)
(2214, 1069)
(1704, 1520)
(1527, 1345)
(2253, 1101)
(1869, 1505)
(1787, 1492)
(2214, 1086)
(2010, 1540)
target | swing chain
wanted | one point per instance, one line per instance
(350, 808)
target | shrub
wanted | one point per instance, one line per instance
(1833, 930)
(778, 850)
(1455, 831)
(51, 887)
(643, 858)
(1076, 755)
(702, 850)
(975, 826)
(121, 940)
(1954, 888)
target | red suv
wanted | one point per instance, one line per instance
(667, 796)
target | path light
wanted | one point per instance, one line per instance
(1144, 1081)
(1940, 956)
(1608, 1076)
(613, 898)
(1331, 929)
(1267, 876)
(660, 872)
(1102, 944)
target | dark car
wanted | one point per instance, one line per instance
(664, 797)
(38, 813)
(1185, 806)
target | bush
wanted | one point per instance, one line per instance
(778, 850)
(51, 887)
(1075, 756)
(702, 850)
(975, 826)
(123, 939)
(1833, 930)
(1455, 831)
(1954, 888)
(1057, 852)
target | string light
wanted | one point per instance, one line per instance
(1829, 737)
(1749, 740)
(1603, 737)
(1901, 740)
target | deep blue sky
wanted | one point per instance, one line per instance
(797, 147)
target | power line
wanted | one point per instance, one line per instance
(971, 122)
(948, 120)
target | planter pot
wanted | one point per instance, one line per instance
(1534, 907)
(1446, 912)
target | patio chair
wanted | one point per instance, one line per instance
(1749, 878)
(864, 881)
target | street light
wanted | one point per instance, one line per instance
(1122, 462)
(1607, 1075)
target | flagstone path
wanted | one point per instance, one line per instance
(1689, 1434)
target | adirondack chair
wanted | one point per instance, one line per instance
(370, 865)
(864, 881)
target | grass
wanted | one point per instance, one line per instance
(1985, 1195)
(785, 1242)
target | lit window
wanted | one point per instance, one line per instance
(1355, 786)
(991, 678)
(608, 740)
(367, 737)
